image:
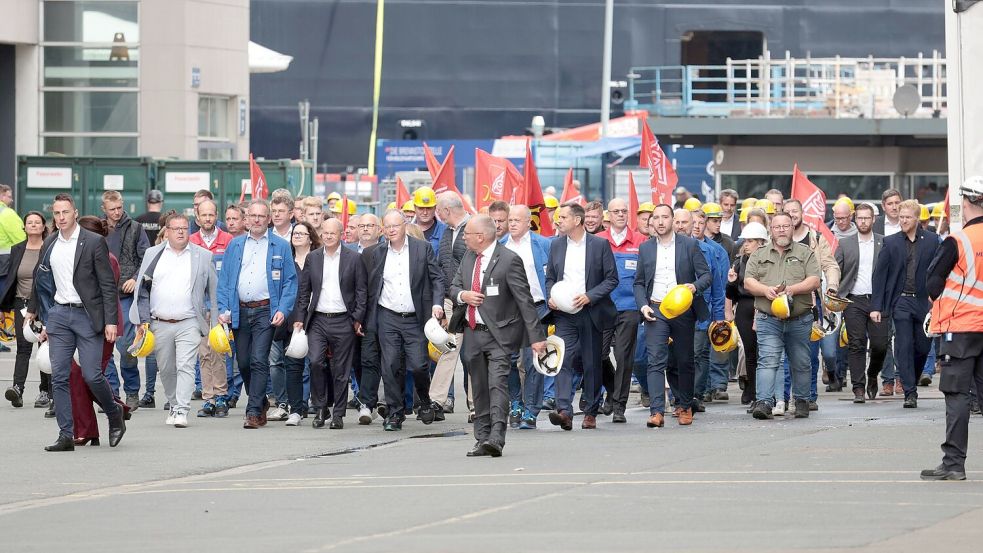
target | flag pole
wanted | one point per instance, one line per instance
(377, 81)
(606, 67)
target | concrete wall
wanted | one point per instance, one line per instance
(778, 159)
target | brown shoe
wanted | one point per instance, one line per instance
(656, 421)
(590, 422)
(898, 388)
(676, 411)
(262, 414)
(887, 389)
(686, 417)
(251, 422)
(561, 419)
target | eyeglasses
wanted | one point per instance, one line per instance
(618, 211)
(392, 227)
(178, 229)
(368, 226)
(781, 227)
(295, 233)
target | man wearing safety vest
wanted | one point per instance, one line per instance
(955, 283)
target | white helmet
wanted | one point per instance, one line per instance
(562, 295)
(297, 348)
(754, 231)
(972, 189)
(32, 330)
(550, 362)
(927, 325)
(439, 337)
(43, 359)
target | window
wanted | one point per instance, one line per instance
(101, 112)
(91, 21)
(215, 140)
(74, 66)
(928, 189)
(91, 146)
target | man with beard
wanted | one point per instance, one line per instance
(369, 231)
(843, 226)
(425, 202)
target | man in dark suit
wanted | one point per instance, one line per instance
(75, 296)
(405, 289)
(652, 282)
(586, 263)
(488, 289)
(900, 293)
(332, 296)
(370, 356)
(730, 223)
(857, 256)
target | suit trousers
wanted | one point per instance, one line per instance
(864, 335)
(332, 336)
(910, 343)
(680, 369)
(617, 378)
(214, 380)
(368, 384)
(489, 365)
(69, 328)
(583, 356)
(744, 317)
(399, 336)
(176, 347)
(254, 339)
(959, 377)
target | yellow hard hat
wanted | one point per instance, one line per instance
(766, 205)
(844, 339)
(938, 210)
(408, 206)
(781, 307)
(334, 196)
(847, 201)
(424, 197)
(723, 336)
(692, 204)
(924, 213)
(218, 339)
(835, 304)
(748, 203)
(712, 209)
(678, 299)
(646, 207)
(817, 333)
(336, 208)
(392, 205)
(144, 345)
(433, 352)
(605, 217)
(556, 216)
(551, 202)
(744, 212)
(551, 330)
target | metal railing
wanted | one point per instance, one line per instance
(813, 87)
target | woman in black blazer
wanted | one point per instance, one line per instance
(16, 291)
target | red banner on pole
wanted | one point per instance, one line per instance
(813, 201)
(532, 196)
(571, 192)
(257, 182)
(662, 175)
(632, 203)
(495, 178)
(402, 194)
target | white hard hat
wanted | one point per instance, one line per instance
(927, 325)
(31, 331)
(754, 230)
(297, 348)
(972, 188)
(439, 337)
(43, 359)
(562, 295)
(550, 362)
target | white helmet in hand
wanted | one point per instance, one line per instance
(297, 348)
(562, 295)
(550, 362)
(43, 359)
(439, 337)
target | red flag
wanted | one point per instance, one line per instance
(632, 203)
(813, 201)
(571, 193)
(443, 175)
(402, 194)
(945, 206)
(532, 196)
(662, 175)
(432, 166)
(495, 178)
(344, 212)
(257, 182)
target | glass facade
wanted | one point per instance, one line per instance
(215, 130)
(90, 77)
(858, 187)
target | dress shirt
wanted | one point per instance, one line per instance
(330, 300)
(575, 264)
(727, 225)
(287, 235)
(208, 239)
(485, 258)
(396, 294)
(524, 249)
(911, 265)
(170, 294)
(891, 228)
(865, 270)
(459, 228)
(665, 270)
(252, 274)
(63, 267)
(619, 238)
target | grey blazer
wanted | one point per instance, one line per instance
(203, 295)
(848, 258)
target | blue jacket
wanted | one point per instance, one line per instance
(892, 266)
(279, 263)
(626, 259)
(540, 255)
(719, 263)
(438, 231)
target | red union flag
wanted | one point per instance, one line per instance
(257, 181)
(531, 195)
(402, 194)
(632, 203)
(662, 175)
(813, 204)
(571, 193)
(495, 178)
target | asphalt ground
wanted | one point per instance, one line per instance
(845, 479)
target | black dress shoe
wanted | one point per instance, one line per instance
(231, 402)
(858, 396)
(50, 412)
(871, 387)
(318, 421)
(607, 408)
(492, 449)
(940, 473)
(336, 423)
(478, 451)
(117, 427)
(438, 412)
(63, 443)
(619, 418)
(911, 402)
(427, 414)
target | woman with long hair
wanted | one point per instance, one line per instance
(24, 258)
(753, 236)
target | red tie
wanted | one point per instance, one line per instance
(475, 287)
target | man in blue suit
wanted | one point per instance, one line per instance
(687, 266)
(586, 263)
(900, 294)
(534, 250)
(257, 289)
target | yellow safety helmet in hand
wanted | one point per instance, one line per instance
(218, 339)
(844, 339)
(143, 342)
(767, 205)
(424, 197)
(817, 333)
(834, 303)
(723, 336)
(781, 307)
(678, 300)
(692, 204)
(433, 352)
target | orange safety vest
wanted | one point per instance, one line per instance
(960, 307)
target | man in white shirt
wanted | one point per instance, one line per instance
(175, 283)
(891, 223)
(729, 223)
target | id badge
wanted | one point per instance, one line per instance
(218, 266)
(275, 273)
(631, 264)
(491, 291)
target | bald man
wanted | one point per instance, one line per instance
(682, 222)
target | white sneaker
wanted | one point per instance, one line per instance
(181, 420)
(278, 413)
(365, 415)
(779, 409)
(293, 419)
(170, 418)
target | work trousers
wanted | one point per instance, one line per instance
(959, 376)
(176, 347)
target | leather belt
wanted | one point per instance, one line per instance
(908, 295)
(864, 296)
(70, 304)
(538, 303)
(171, 321)
(397, 313)
(479, 328)
(334, 315)
(795, 318)
(260, 303)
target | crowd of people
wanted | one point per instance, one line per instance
(308, 310)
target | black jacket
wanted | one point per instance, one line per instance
(10, 284)
(131, 242)
(426, 280)
(351, 279)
